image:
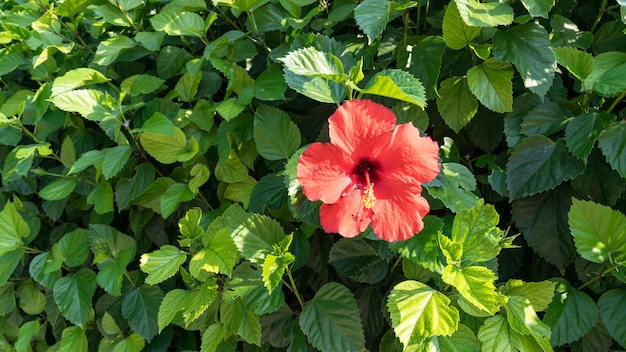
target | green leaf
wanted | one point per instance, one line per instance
(578, 63)
(605, 79)
(456, 33)
(276, 136)
(161, 264)
(112, 251)
(599, 232)
(583, 130)
(212, 337)
(140, 307)
(59, 189)
(175, 194)
(598, 339)
(26, 333)
(527, 46)
(18, 163)
(114, 159)
(73, 339)
(247, 283)
(523, 319)
(128, 190)
(198, 300)
(491, 83)
(490, 14)
(496, 335)
(7, 298)
(171, 305)
(87, 159)
(109, 326)
(151, 197)
(372, 16)
(243, 5)
(76, 78)
(454, 186)
(538, 8)
(311, 62)
(13, 229)
(89, 103)
(542, 218)
(73, 294)
(110, 49)
(269, 192)
(165, 149)
(270, 85)
(39, 269)
(178, 22)
(32, 301)
(423, 60)
(539, 164)
(218, 256)
(237, 319)
(571, 314)
(141, 84)
(187, 86)
(456, 103)
(354, 258)
(232, 170)
(424, 248)
(613, 146)
(611, 305)
(539, 294)
(101, 197)
(546, 119)
(331, 320)
(396, 84)
(418, 312)
(274, 267)
(255, 235)
(476, 285)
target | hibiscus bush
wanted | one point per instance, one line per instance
(301, 175)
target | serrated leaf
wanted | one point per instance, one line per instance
(13, 229)
(101, 197)
(331, 320)
(613, 146)
(110, 49)
(140, 307)
(172, 303)
(611, 305)
(238, 320)
(311, 62)
(496, 335)
(456, 103)
(454, 186)
(74, 246)
(578, 63)
(539, 294)
(87, 159)
(608, 69)
(89, 103)
(218, 256)
(539, 164)
(59, 189)
(73, 294)
(316, 88)
(77, 78)
(583, 130)
(269, 192)
(247, 283)
(354, 258)
(396, 84)
(527, 46)
(598, 339)
(523, 319)
(546, 119)
(599, 231)
(274, 268)
(141, 84)
(39, 268)
(165, 148)
(255, 235)
(571, 314)
(232, 170)
(178, 22)
(372, 16)
(476, 285)
(423, 60)
(456, 33)
(212, 337)
(161, 264)
(73, 339)
(175, 194)
(490, 82)
(423, 248)
(542, 218)
(276, 136)
(538, 8)
(418, 312)
(128, 190)
(112, 251)
(490, 14)
(270, 85)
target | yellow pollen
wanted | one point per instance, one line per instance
(368, 199)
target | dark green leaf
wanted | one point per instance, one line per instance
(545, 119)
(424, 247)
(613, 145)
(454, 186)
(58, 189)
(128, 190)
(75, 247)
(491, 83)
(269, 192)
(247, 283)
(355, 259)
(238, 320)
(174, 195)
(538, 8)
(276, 136)
(311, 62)
(73, 294)
(456, 103)
(141, 307)
(611, 305)
(583, 130)
(456, 34)
(101, 197)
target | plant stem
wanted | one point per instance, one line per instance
(598, 277)
(294, 288)
(616, 101)
(599, 17)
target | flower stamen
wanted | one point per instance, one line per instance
(368, 199)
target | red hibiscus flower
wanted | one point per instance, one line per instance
(370, 172)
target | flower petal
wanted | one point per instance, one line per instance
(357, 127)
(398, 211)
(323, 172)
(340, 217)
(409, 157)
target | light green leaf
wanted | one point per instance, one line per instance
(233, 170)
(613, 146)
(311, 62)
(101, 197)
(26, 333)
(150, 40)
(229, 108)
(274, 268)
(454, 186)
(141, 84)
(243, 5)
(109, 49)
(489, 14)
(114, 159)
(73, 294)
(87, 159)
(161, 264)
(13, 229)
(583, 130)
(173, 196)
(578, 63)
(276, 136)
(316, 88)
(476, 285)
(523, 319)
(608, 70)
(491, 83)
(456, 103)
(198, 300)
(32, 301)
(599, 231)
(140, 308)
(165, 149)
(354, 258)
(187, 86)
(456, 33)
(73, 339)
(171, 305)
(527, 46)
(418, 312)
(189, 225)
(7, 297)
(424, 60)
(178, 22)
(331, 320)
(59, 189)
(571, 314)
(212, 337)
(109, 326)
(496, 335)
(40, 268)
(76, 78)
(538, 8)
(218, 256)
(612, 312)
(255, 235)
(151, 197)
(423, 249)
(538, 164)
(133, 343)
(539, 294)
(89, 103)
(396, 84)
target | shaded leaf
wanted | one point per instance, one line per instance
(456, 103)
(73, 295)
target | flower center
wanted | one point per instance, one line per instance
(368, 199)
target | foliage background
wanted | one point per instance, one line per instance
(150, 202)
